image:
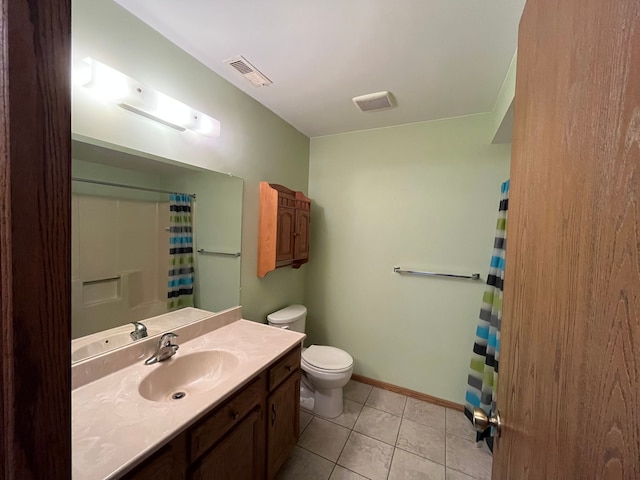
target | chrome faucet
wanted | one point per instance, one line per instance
(166, 349)
(139, 332)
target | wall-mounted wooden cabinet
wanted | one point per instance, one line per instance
(283, 237)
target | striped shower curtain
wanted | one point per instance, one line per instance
(181, 273)
(483, 375)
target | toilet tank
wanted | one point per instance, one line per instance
(292, 317)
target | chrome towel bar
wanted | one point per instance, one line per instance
(224, 254)
(473, 276)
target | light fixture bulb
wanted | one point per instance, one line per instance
(106, 81)
(81, 73)
(136, 97)
(172, 110)
(209, 127)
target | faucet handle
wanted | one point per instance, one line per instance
(139, 331)
(165, 340)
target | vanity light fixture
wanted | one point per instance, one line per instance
(136, 97)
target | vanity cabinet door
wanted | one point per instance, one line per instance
(226, 417)
(168, 463)
(239, 455)
(283, 422)
(284, 367)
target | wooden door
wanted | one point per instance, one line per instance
(284, 242)
(239, 455)
(283, 417)
(301, 242)
(569, 384)
(35, 239)
(168, 463)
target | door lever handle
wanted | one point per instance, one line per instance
(482, 421)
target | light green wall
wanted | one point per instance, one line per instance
(420, 196)
(255, 144)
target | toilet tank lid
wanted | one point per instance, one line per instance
(327, 358)
(289, 314)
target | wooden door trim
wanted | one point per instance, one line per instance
(35, 50)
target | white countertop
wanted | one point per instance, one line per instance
(114, 427)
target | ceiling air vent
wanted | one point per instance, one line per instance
(249, 72)
(373, 101)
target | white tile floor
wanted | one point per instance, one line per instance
(387, 436)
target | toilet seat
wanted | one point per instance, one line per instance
(327, 359)
(315, 370)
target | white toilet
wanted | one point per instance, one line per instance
(326, 369)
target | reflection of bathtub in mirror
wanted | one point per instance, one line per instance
(97, 343)
(120, 238)
(105, 303)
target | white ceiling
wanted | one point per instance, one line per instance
(439, 58)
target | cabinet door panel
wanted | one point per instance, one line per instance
(284, 243)
(301, 242)
(284, 367)
(283, 410)
(168, 463)
(239, 455)
(212, 428)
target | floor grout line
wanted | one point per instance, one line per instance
(390, 463)
(343, 447)
(332, 470)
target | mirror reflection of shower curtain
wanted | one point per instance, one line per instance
(181, 271)
(483, 373)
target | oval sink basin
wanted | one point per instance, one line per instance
(184, 376)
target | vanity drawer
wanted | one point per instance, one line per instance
(213, 427)
(284, 367)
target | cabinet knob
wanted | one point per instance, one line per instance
(235, 415)
(288, 367)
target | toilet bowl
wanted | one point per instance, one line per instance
(326, 370)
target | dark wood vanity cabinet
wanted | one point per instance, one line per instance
(283, 236)
(283, 410)
(284, 423)
(168, 463)
(248, 437)
(229, 442)
(239, 455)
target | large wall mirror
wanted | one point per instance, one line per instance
(121, 242)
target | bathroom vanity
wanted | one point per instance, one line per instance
(238, 419)
(248, 437)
